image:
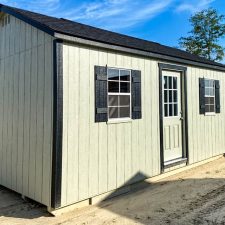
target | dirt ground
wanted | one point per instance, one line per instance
(196, 196)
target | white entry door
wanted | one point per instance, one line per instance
(172, 118)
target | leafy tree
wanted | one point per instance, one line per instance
(208, 29)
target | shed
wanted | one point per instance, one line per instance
(85, 112)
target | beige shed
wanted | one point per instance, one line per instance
(86, 112)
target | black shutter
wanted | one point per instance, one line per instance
(202, 95)
(217, 95)
(101, 92)
(136, 94)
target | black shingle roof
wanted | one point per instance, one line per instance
(75, 29)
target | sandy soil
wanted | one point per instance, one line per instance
(196, 196)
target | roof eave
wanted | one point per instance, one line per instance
(69, 38)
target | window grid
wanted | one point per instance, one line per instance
(170, 96)
(209, 96)
(123, 110)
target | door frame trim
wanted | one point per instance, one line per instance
(183, 71)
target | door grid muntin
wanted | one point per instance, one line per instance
(170, 96)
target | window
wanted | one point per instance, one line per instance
(209, 96)
(170, 96)
(119, 93)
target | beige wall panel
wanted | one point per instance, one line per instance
(93, 144)
(205, 131)
(26, 79)
(108, 154)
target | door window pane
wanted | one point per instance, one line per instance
(166, 110)
(166, 85)
(166, 96)
(174, 96)
(175, 109)
(170, 96)
(170, 109)
(170, 83)
(174, 82)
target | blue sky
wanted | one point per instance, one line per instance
(162, 21)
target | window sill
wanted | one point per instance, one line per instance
(210, 114)
(119, 121)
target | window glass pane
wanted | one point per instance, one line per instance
(207, 100)
(207, 108)
(206, 83)
(165, 96)
(170, 96)
(124, 87)
(166, 110)
(211, 90)
(212, 108)
(211, 82)
(113, 74)
(207, 91)
(175, 109)
(113, 86)
(124, 100)
(113, 112)
(174, 82)
(174, 96)
(170, 82)
(113, 100)
(166, 86)
(125, 75)
(211, 100)
(124, 112)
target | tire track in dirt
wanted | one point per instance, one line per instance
(197, 207)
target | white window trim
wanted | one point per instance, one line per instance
(214, 96)
(123, 119)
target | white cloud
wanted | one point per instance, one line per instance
(117, 14)
(194, 6)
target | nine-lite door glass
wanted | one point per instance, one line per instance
(209, 96)
(170, 96)
(119, 85)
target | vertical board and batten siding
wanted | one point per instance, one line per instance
(26, 83)
(100, 157)
(205, 132)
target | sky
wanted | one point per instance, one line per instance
(162, 21)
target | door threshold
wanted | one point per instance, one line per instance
(174, 162)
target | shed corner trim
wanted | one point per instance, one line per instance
(56, 185)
